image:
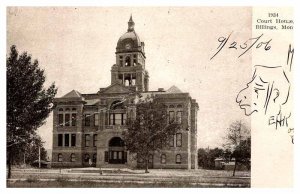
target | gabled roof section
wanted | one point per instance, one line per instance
(174, 89)
(115, 88)
(72, 94)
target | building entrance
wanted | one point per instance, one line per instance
(117, 153)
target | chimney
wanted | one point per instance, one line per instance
(161, 89)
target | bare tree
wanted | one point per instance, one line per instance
(238, 140)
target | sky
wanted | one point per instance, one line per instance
(76, 47)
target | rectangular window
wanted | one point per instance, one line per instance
(73, 140)
(178, 139)
(87, 120)
(179, 117)
(111, 119)
(60, 140)
(171, 116)
(67, 119)
(87, 140)
(96, 119)
(67, 139)
(172, 141)
(74, 119)
(61, 119)
(95, 140)
(106, 156)
(115, 155)
(118, 119)
(123, 119)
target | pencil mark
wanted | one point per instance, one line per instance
(290, 57)
(271, 88)
(257, 43)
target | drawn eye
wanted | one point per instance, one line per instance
(256, 91)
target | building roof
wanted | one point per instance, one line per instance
(72, 94)
(129, 38)
(174, 89)
(92, 102)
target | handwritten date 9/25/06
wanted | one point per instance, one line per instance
(256, 42)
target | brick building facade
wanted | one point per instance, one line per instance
(87, 128)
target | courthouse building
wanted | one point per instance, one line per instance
(87, 128)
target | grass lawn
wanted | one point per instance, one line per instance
(125, 178)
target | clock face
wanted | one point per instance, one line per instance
(128, 46)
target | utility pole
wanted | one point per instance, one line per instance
(39, 156)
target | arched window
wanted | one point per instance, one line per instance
(59, 157)
(128, 61)
(179, 106)
(171, 106)
(178, 159)
(72, 157)
(73, 109)
(118, 113)
(67, 109)
(117, 105)
(61, 109)
(86, 158)
(163, 158)
(116, 142)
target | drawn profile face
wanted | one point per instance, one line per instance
(268, 89)
(252, 103)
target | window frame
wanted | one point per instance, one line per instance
(60, 119)
(60, 140)
(172, 141)
(171, 120)
(96, 119)
(180, 139)
(178, 159)
(87, 120)
(177, 117)
(163, 159)
(72, 157)
(95, 140)
(87, 140)
(73, 119)
(59, 157)
(67, 139)
(73, 141)
(67, 120)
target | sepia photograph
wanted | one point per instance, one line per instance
(149, 97)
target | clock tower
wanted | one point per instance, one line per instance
(129, 69)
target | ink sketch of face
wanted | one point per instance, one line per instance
(268, 89)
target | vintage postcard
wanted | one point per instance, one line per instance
(150, 97)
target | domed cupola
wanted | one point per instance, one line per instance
(130, 41)
(129, 69)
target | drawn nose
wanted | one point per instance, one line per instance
(241, 96)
